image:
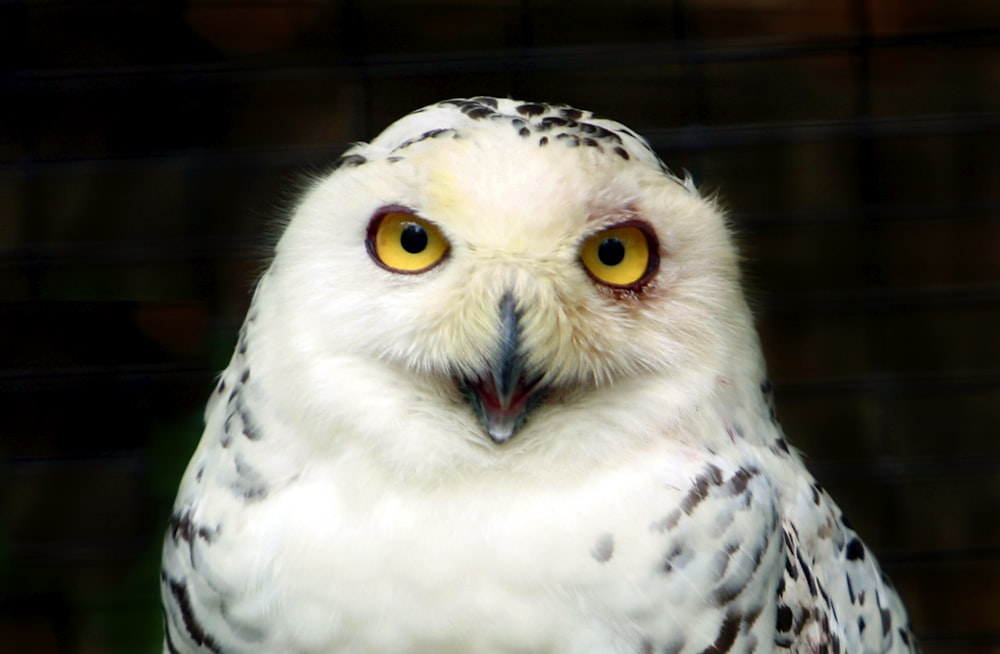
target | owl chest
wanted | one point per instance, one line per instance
(511, 568)
(481, 542)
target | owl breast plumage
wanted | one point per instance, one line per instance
(499, 391)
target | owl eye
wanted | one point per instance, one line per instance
(405, 243)
(622, 256)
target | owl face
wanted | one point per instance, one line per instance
(505, 261)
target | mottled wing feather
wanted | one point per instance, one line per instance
(834, 597)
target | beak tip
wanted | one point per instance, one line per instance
(501, 431)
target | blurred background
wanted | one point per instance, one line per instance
(149, 147)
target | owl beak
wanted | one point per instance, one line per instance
(506, 370)
(503, 397)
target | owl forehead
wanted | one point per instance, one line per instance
(544, 125)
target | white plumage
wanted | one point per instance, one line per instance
(499, 391)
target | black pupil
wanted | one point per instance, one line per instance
(413, 239)
(611, 252)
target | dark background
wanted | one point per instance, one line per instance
(148, 147)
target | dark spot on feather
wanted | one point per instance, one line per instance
(737, 582)
(182, 527)
(198, 634)
(694, 497)
(604, 548)
(572, 140)
(167, 640)
(349, 161)
(738, 482)
(473, 108)
(667, 523)
(250, 484)
(855, 550)
(886, 621)
(555, 121)
(532, 109)
(477, 113)
(727, 634)
(621, 152)
(434, 133)
(675, 559)
(250, 427)
(726, 593)
(806, 573)
(784, 619)
(751, 617)
(699, 491)
(791, 569)
(255, 494)
(720, 563)
(599, 132)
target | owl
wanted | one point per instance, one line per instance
(499, 391)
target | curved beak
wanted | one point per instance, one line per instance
(503, 397)
(506, 369)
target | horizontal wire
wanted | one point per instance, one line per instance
(695, 137)
(62, 379)
(883, 385)
(535, 59)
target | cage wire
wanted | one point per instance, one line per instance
(150, 148)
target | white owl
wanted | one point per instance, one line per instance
(499, 391)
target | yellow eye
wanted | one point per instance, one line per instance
(405, 243)
(623, 256)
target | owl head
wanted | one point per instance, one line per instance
(491, 271)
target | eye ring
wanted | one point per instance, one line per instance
(402, 242)
(624, 256)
